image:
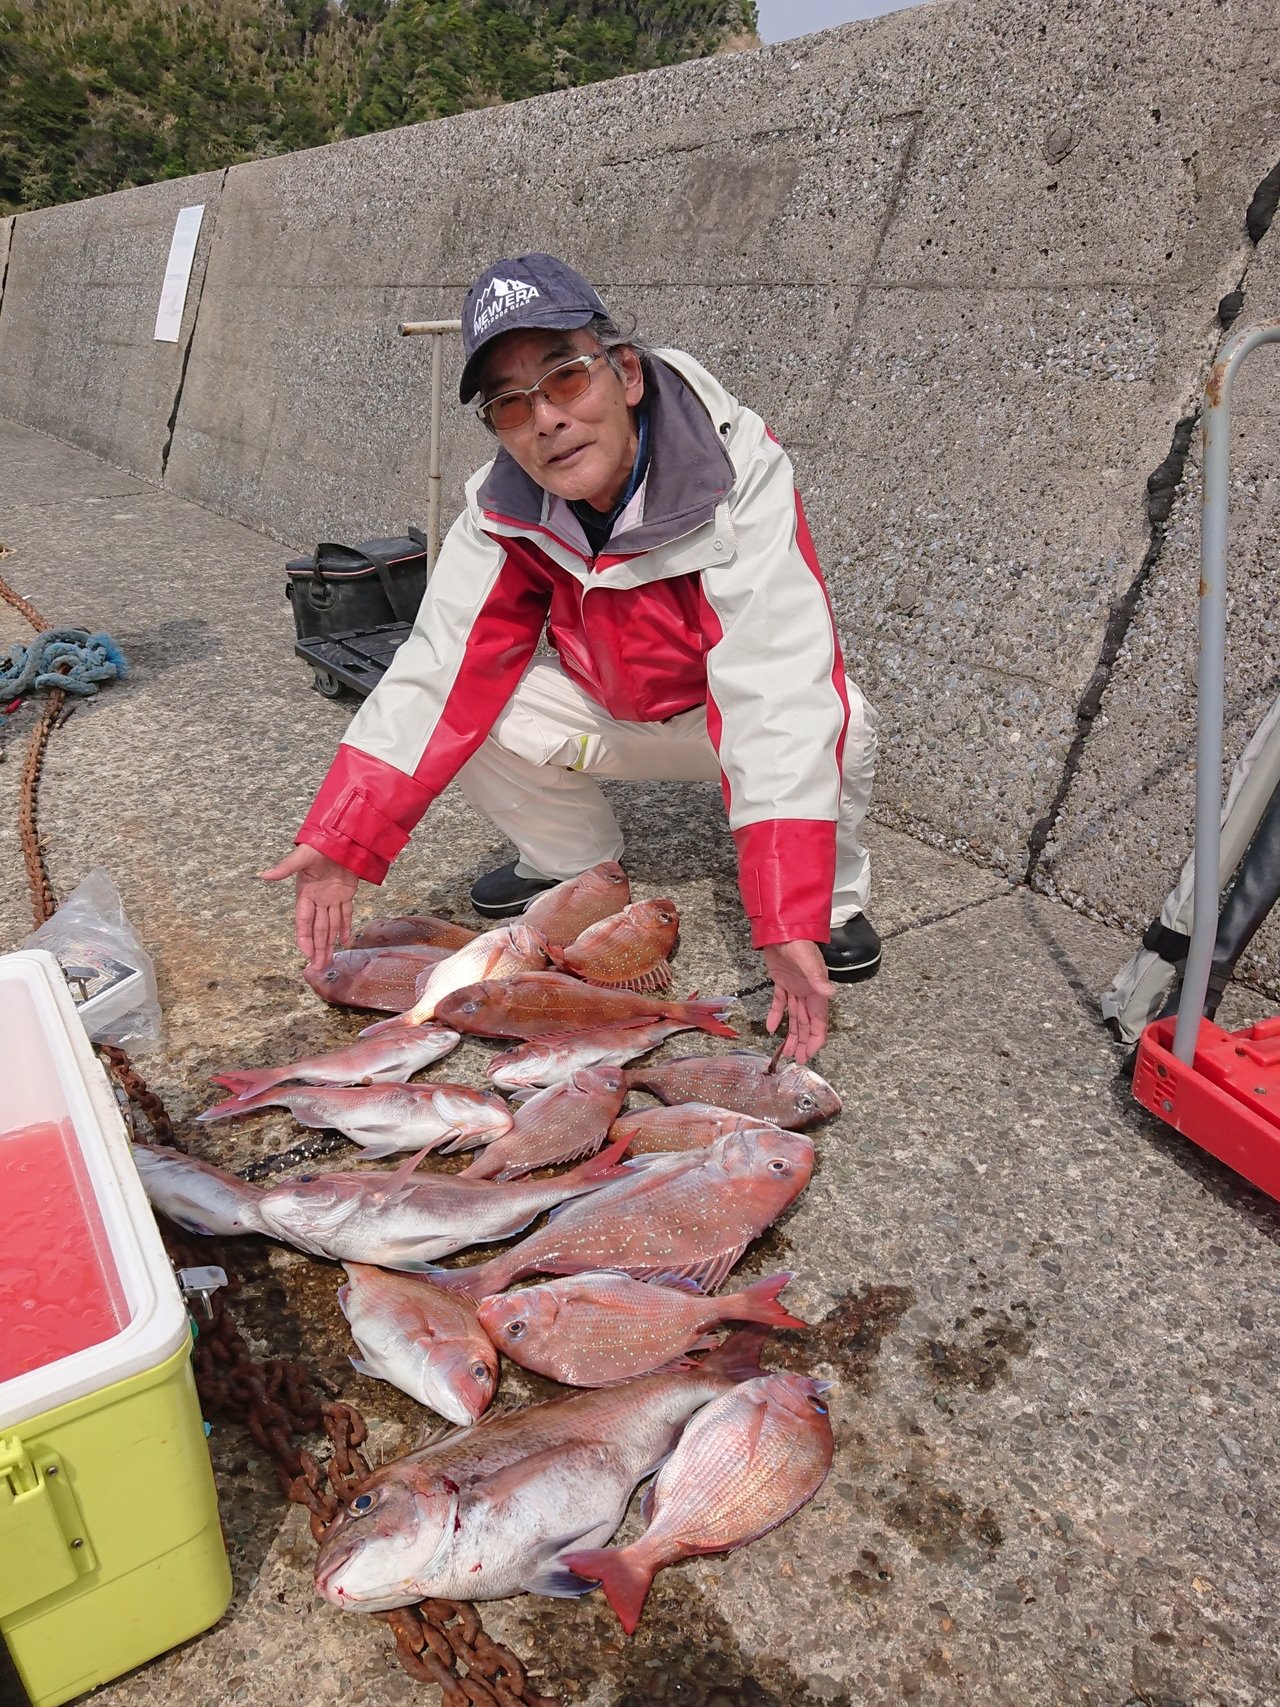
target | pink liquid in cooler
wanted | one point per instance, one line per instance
(59, 1288)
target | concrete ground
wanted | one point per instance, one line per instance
(1052, 1326)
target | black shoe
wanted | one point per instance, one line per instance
(504, 891)
(853, 952)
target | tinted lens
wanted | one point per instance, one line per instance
(507, 412)
(561, 385)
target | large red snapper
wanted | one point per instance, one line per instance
(796, 1097)
(683, 1126)
(382, 1119)
(389, 1059)
(549, 1004)
(538, 1065)
(196, 1196)
(668, 1217)
(627, 951)
(427, 1342)
(745, 1464)
(592, 1330)
(496, 954)
(413, 930)
(486, 1513)
(563, 913)
(383, 978)
(405, 1220)
(556, 1125)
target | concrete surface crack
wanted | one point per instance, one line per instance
(172, 424)
(946, 913)
(4, 260)
(1162, 487)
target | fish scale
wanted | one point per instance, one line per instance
(689, 1215)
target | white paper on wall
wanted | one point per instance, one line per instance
(177, 273)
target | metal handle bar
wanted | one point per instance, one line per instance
(1213, 622)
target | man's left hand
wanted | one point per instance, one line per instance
(801, 992)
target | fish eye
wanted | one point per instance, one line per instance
(516, 1328)
(481, 1372)
(361, 1504)
(805, 1102)
(778, 1165)
(817, 1405)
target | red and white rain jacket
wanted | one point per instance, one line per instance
(708, 591)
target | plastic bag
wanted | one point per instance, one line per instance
(110, 975)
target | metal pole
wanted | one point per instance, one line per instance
(438, 329)
(1213, 614)
(433, 467)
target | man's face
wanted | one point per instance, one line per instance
(579, 450)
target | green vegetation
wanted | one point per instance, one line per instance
(99, 95)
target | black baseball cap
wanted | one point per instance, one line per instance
(511, 296)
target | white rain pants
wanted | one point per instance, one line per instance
(533, 778)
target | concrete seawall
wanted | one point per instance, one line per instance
(966, 260)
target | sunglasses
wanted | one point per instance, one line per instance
(561, 384)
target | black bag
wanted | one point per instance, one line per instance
(338, 589)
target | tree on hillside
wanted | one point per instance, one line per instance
(104, 94)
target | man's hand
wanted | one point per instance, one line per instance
(322, 909)
(801, 991)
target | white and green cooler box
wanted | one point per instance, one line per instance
(110, 1545)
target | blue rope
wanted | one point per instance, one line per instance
(87, 658)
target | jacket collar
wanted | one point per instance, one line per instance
(689, 474)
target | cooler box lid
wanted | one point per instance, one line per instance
(102, 1302)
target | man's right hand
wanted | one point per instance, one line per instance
(322, 909)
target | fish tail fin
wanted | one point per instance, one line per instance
(475, 1283)
(708, 1014)
(738, 1357)
(759, 1303)
(242, 1105)
(602, 1168)
(624, 1578)
(246, 1084)
(483, 1167)
(396, 1020)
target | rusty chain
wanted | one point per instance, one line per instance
(440, 1642)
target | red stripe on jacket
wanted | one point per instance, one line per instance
(366, 808)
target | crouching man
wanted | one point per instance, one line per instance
(648, 523)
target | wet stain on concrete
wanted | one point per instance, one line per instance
(850, 1336)
(684, 1654)
(938, 1523)
(871, 1576)
(980, 1354)
(184, 641)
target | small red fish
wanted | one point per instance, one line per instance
(627, 951)
(556, 1125)
(590, 1330)
(746, 1463)
(563, 913)
(683, 1126)
(422, 930)
(549, 1004)
(537, 1065)
(389, 1059)
(380, 978)
(742, 1079)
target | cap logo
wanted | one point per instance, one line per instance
(498, 298)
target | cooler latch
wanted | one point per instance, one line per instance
(198, 1284)
(43, 1546)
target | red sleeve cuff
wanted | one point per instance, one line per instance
(364, 813)
(786, 872)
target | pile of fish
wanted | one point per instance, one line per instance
(645, 1226)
